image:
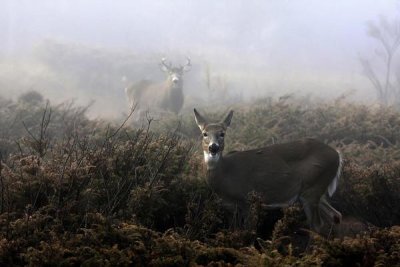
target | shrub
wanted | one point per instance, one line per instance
(77, 192)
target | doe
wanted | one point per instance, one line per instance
(305, 170)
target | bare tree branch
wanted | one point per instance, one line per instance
(387, 34)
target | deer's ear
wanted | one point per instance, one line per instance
(227, 121)
(201, 122)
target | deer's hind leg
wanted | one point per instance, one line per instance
(320, 214)
(312, 210)
(330, 212)
(315, 186)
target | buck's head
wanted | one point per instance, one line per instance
(175, 74)
(213, 137)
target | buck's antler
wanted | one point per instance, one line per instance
(187, 66)
(164, 64)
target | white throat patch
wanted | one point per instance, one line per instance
(211, 160)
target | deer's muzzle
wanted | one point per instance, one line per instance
(213, 148)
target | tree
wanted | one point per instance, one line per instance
(32, 98)
(387, 34)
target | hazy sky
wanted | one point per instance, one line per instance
(296, 37)
(273, 27)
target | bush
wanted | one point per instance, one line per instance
(77, 192)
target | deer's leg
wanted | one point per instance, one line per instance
(240, 215)
(329, 211)
(318, 211)
(331, 218)
(311, 208)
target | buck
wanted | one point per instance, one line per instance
(305, 170)
(163, 97)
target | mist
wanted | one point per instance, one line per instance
(90, 50)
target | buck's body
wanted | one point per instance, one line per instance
(278, 172)
(305, 170)
(166, 96)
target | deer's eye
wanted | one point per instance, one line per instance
(222, 134)
(205, 134)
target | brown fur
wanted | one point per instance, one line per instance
(156, 97)
(161, 97)
(281, 173)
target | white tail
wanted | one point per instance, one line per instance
(333, 185)
(305, 170)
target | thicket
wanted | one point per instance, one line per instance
(78, 192)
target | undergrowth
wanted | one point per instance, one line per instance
(79, 192)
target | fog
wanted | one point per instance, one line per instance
(82, 49)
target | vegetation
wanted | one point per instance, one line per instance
(385, 81)
(79, 192)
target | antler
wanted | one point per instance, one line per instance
(187, 66)
(165, 64)
(188, 61)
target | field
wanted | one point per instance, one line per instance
(82, 192)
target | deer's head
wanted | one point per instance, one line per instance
(213, 137)
(175, 73)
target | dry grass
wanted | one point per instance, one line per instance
(76, 192)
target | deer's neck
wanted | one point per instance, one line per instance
(175, 86)
(218, 179)
(212, 163)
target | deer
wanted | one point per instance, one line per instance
(305, 171)
(166, 96)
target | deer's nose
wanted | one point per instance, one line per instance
(175, 80)
(213, 148)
